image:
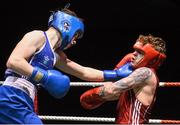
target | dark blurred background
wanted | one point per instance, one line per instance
(111, 28)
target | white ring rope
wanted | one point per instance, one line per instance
(101, 119)
(76, 118)
(94, 84)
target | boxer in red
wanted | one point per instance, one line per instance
(135, 93)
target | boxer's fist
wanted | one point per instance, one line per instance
(91, 99)
(123, 71)
(53, 81)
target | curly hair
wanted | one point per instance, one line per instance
(157, 43)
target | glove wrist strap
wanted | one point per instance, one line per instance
(110, 75)
(37, 76)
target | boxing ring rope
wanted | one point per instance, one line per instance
(105, 119)
(102, 119)
(94, 84)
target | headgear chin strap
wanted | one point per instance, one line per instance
(152, 58)
(67, 25)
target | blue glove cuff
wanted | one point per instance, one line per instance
(110, 75)
(38, 76)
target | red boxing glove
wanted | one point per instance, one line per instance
(127, 58)
(91, 99)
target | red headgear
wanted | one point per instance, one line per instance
(152, 58)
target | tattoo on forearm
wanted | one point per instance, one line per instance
(101, 93)
(138, 77)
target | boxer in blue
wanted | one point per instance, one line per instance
(32, 61)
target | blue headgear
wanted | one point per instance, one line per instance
(67, 25)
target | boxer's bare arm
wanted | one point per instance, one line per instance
(111, 91)
(27, 46)
(75, 69)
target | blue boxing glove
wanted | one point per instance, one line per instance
(123, 71)
(53, 81)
